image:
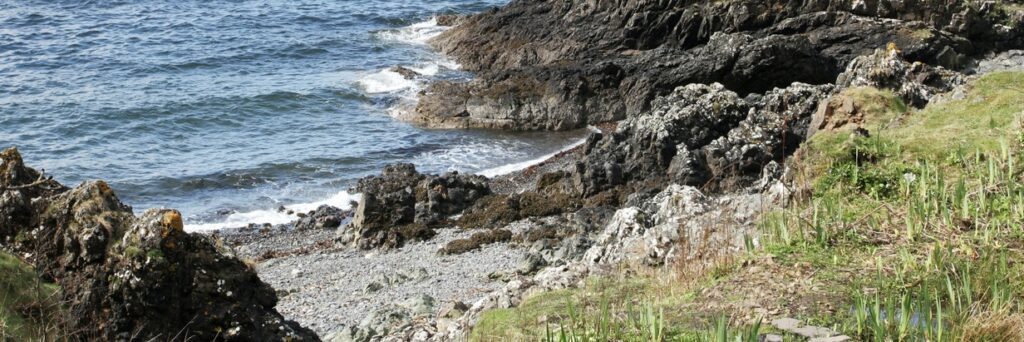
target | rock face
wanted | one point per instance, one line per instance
(401, 204)
(124, 277)
(562, 65)
(700, 135)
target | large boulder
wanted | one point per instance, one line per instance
(401, 204)
(124, 277)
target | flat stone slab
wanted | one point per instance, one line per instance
(787, 324)
(814, 333)
(811, 331)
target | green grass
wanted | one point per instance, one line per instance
(937, 202)
(917, 229)
(27, 305)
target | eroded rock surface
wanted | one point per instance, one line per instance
(562, 65)
(401, 205)
(125, 277)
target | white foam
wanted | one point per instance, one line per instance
(342, 200)
(418, 33)
(510, 168)
(386, 81)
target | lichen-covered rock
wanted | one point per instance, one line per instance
(648, 235)
(774, 128)
(916, 83)
(643, 147)
(126, 278)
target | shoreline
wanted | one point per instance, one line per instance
(703, 189)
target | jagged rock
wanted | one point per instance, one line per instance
(124, 277)
(648, 235)
(406, 73)
(701, 134)
(449, 313)
(916, 83)
(644, 146)
(401, 204)
(774, 128)
(563, 65)
(324, 217)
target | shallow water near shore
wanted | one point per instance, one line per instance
(227, 110)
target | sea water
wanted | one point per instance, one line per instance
(228, 110)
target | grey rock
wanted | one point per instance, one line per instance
(419, 305)
(786, 323)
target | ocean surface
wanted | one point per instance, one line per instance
(227, 110)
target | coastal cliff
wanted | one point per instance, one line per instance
(782, 162)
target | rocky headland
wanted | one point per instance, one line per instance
(702, 111)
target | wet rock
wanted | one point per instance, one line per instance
(324, 217)
(406, 73)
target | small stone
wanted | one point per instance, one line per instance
(297, 273)
(771, 338)
(372, 287)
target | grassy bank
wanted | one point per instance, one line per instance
(27, 305)
(912, 232)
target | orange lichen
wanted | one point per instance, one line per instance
(172, 220)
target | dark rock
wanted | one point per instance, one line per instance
(126, 278)
(500, 209)
(563, 65)
(323, 217)
(476, 241)
(406, 73)
(701, 135)
(402, 204)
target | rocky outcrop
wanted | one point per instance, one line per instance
(916, 83)
(700, 135)
(125, 277)
(563, 65)
(401, 204)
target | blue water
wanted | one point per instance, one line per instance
(228, 108)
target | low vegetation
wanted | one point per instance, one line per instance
(28, 306)
(911, 232)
